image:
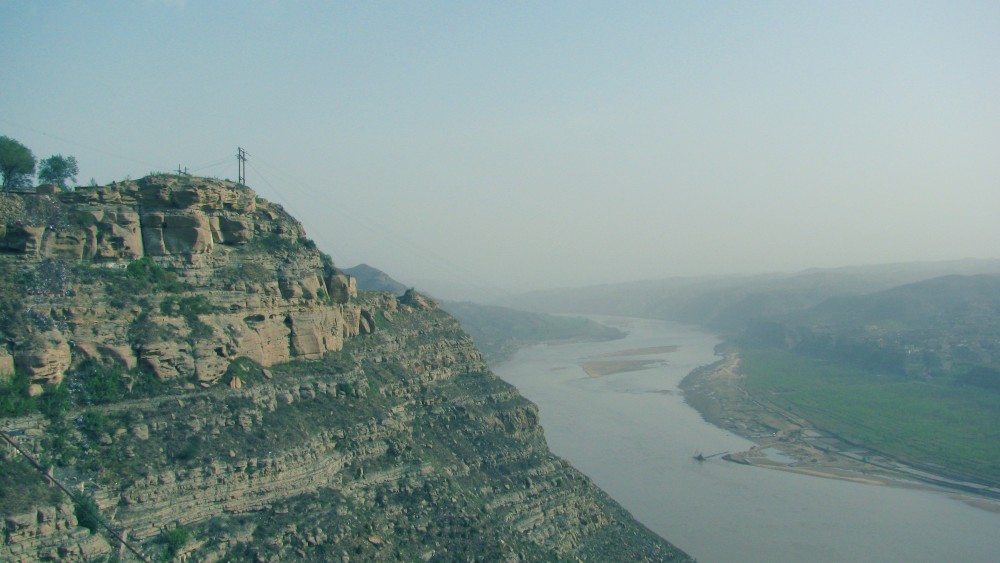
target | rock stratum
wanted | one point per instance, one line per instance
(208, 384)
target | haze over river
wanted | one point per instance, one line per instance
(633, 434)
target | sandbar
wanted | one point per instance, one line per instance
(642, 351)
(719, 393)
(598, 368)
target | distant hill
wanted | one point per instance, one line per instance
(497, 331)
(948, 298)
(912, 371)
(945, 329)
(729, 303)
(373, 279)
(500, 331)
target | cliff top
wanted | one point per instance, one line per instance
(174, 276)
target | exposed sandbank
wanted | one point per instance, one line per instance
(642, 351)
(718, 392)
(599, 368)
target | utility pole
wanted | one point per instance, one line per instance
(241, 156)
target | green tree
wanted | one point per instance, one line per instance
(17, 164)
(56, 169)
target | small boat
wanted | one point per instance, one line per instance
(699, 457)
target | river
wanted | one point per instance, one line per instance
(634, 436)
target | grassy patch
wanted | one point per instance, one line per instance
(957, 428)
(149, 274)
(14, 399)
(174, 540)
(22, 487)
(190, 308)
(246, 369)
(247, 272)
(273, 243)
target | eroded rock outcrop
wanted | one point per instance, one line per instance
(273, 297)
(51, 533)
(402, 446)
(164, 317)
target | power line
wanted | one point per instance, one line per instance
(41, 469)
(211, 165)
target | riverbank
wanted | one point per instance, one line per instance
(787, 442)
(634, 436)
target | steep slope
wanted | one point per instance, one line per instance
(186, 362)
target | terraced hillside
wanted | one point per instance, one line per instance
(216, 396)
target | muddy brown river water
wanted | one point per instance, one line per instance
(632, 433)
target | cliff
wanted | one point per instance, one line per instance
(187, 362)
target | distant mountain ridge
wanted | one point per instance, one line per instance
(945, 328)
(729, 303)
(937, 296)
(498, 331)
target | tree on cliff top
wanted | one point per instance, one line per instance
(17, 164)
(56, 169)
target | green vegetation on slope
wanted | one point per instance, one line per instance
(418, 461)
(952, 427)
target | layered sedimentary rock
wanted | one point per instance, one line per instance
(263, 409)
(262, 289)
(401, 446)
(50, 532)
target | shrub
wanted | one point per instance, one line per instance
(14, 399)
(329, 268)
(244, 368)
(190, 450)
(95, 383)
(23, 487)
(143, 330)
(175, 540)
(189, 308)
(88, 514)
(152, 274)
(55, 402)
(93, 423)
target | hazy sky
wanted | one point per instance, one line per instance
(540, 144)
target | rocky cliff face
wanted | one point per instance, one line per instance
(221, 392)
(177, 275)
